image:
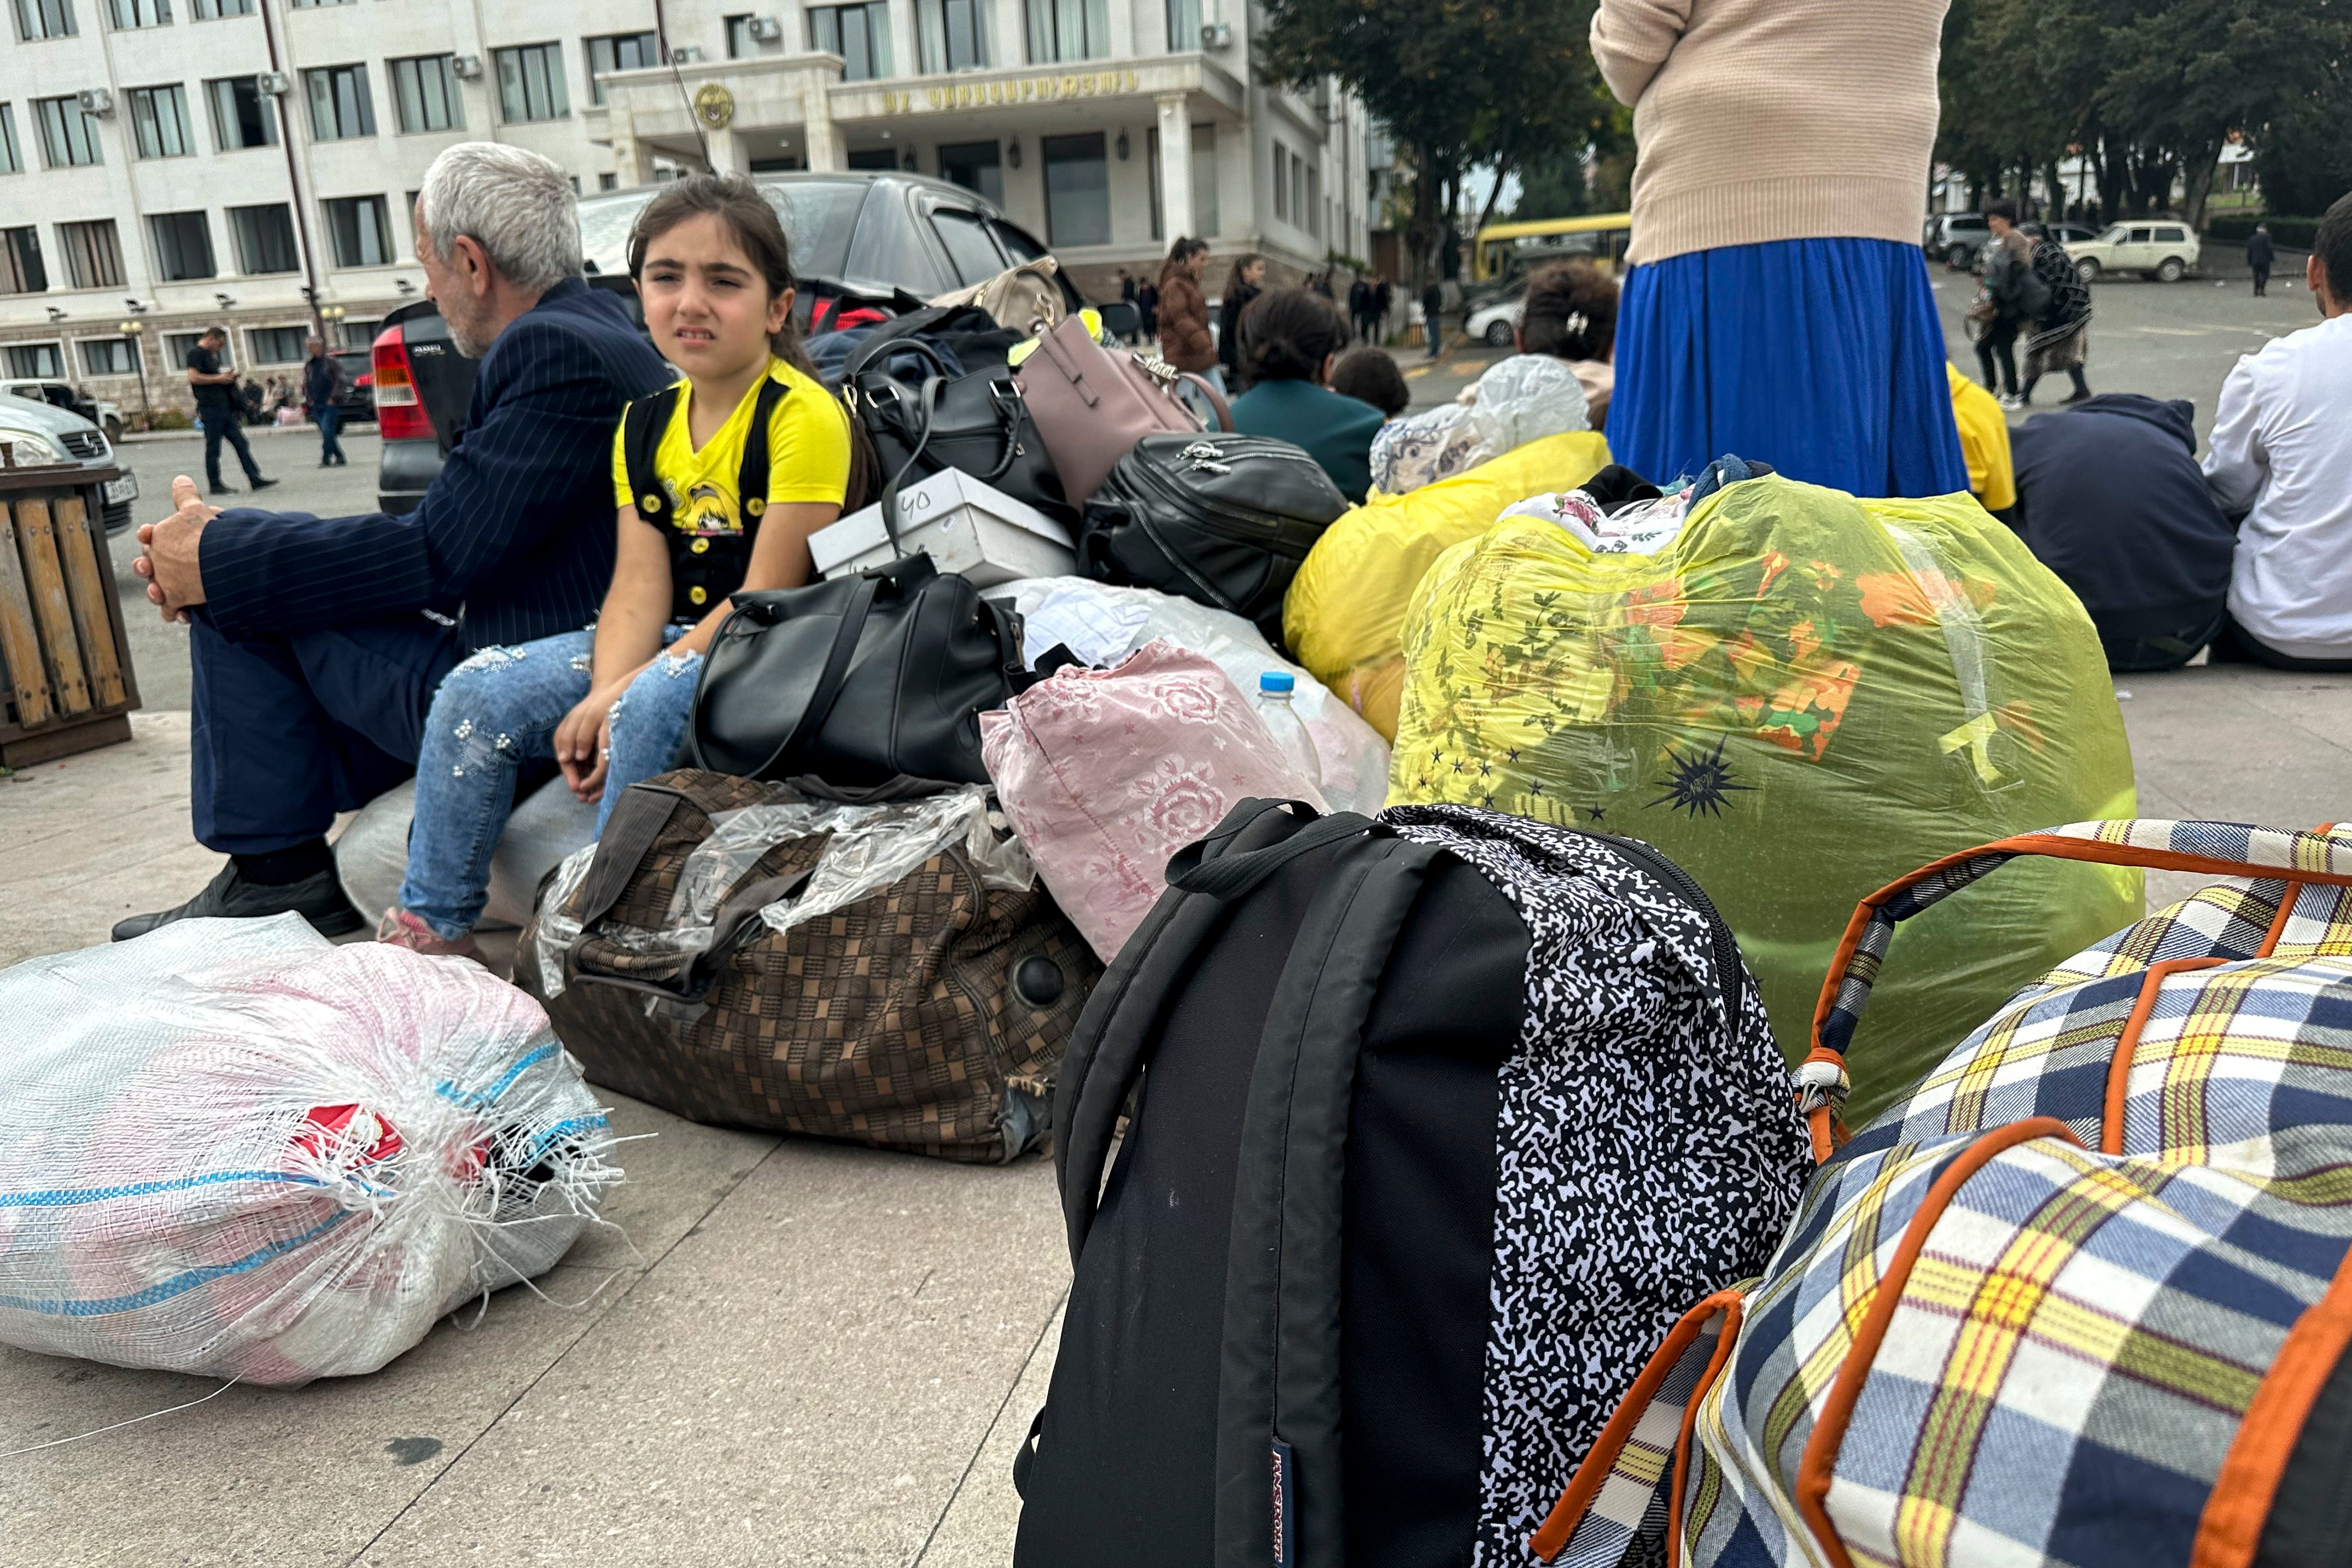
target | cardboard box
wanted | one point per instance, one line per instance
(963, 525)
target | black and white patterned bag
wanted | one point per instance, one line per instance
(1440, 1121)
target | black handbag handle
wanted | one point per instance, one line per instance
(835, 673)
(1231, 876)
(893, 336)
(928, 401)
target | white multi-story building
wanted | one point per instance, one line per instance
(168, 163)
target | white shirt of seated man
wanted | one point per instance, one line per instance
(2281, 456)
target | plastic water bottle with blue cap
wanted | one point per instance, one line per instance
(1275, 690)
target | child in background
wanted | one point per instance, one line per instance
(1371, 375)
(610, 705)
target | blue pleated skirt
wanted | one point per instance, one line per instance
(1822, 357)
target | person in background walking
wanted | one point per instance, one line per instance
(1778, 305)
(1432, 311)
(1147, 303)
(217, 406)
(322, 379)
(1322, 283)
(1127, 293)
(2063, 340)
(1383, 300)
(2010, 294)
(1360, 307)
(2260, 255)
(1183, 311)
(1245, 283)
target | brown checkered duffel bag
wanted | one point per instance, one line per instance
(739, 953)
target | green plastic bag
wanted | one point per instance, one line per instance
(1801, 697)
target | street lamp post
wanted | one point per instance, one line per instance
(136, 331)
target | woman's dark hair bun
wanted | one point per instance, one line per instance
(1570, 312)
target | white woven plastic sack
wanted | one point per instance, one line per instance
(231, 1148)
(1102, 625)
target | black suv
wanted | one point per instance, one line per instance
(872, 235)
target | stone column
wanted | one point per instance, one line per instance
(631, 161)
(730, 154)
(823, 139)
(1175, 165)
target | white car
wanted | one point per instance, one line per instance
(2164, 250)
(62, 394)
(1496, 322)
(39, 434)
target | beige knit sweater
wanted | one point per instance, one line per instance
(1772, 120)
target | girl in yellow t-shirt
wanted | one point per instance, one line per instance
(610, 705)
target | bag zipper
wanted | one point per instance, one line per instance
(1215, 512)
(1725, 946)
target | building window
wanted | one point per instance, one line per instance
(739, 42)
(44, 19)
(1183, 26)
(213, 10)
(35, 361)
(953, 34)
(177, 347)
(341, 107)
(107, 357)
(1281, 186)
(313, 4)
(93, 259)
(1314, 202)
(619, 52)
(1068, 30)
(21, 271)
(361, 233)
(608, 180)
(12, 158)
(265, 239)
(241, 116)
(1077, 190)
(860, 34)
(68, 137)
(357, 334)
(183, 246)
(159, 121)
(424, 94)
(976, 166)
(1298, 190)
(530, 83)
(278, 345)
(1204, 179)
(141, 13)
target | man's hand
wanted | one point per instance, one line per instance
(176, 581)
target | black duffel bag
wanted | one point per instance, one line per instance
(1223, 520)
(972, 421)
(856, 680)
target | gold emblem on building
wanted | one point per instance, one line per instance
(714, 105)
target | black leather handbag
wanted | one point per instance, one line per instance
(1223, 520)
(856, 680)
(972, 420)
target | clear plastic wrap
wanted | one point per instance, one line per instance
(869, 848)
(232, 1149)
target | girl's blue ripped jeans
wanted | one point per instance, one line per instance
(493, 713)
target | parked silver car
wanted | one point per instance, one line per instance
(42, 433)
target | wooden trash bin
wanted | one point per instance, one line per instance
(66, 683)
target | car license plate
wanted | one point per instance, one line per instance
(123, 489)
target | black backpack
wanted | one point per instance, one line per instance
(1444, 1119)
(1223, 520)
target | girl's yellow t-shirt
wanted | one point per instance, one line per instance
(808, 457)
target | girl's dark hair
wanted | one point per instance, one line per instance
(1372, 376)
(1570, 312)
(1234, 283)
(1185, 249)
(1286, 334)
(736, 202)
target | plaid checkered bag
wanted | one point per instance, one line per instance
(2084, 1299)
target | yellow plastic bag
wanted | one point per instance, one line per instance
(1800, 698)
(1345, 610)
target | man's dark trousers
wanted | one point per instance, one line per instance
(290, 730)
(2261, 281)
(222, 425)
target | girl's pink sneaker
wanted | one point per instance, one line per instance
(402, 929)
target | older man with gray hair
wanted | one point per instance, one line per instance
(317, 643)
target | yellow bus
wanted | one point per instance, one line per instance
(1507, 252)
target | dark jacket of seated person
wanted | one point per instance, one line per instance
(2110, 498)
(1288, 337)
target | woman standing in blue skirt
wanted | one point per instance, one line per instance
(1779, 305)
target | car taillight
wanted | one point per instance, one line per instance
(399, 416)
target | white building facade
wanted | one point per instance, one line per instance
(169, 163)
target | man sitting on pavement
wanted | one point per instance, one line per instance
(2110, 499)
(2281, 460)
(316, 644)
(222, 411)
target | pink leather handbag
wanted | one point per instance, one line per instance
(1092, 404)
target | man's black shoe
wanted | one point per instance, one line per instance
(318, 898)
(263, 483)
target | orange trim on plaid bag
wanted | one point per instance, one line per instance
(2240, 1506)
(2053, 847)
(1816, 1465)
(1585, 1485)
(2287, 901)
(1715, 1366)
(2111, 1115)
